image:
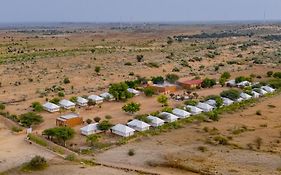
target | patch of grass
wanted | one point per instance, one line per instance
(16, 129)
(202, 148)
(37, 140)
(37, 163)
(71, 157)
(221, 140)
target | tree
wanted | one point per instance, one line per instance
(148, 91)
(30, 118)
(277, 75)
(157, 80)
(97, 69)
(119, 91)
(89, 121)
(92, 139)
(104, 125)
(139, 58)
(2, 106)
(218, 99)
(37, 163)
(62, 134)
(131, 107)
(225, 75)
(242, 78)
(207, 83)
(55, 100)
(37, 107)
(97, 119)
(163, 99)
(222, 81)
(232, 94)
(66, 80)
(73, 99)
(170, 40)
(191, 102)
(172, 78)
(61, 94)
(269, 73)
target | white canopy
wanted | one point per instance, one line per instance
(180, 113)
(95, 98)
(194, 109)
(138, 124)
(89, 128)
(268, 89)
(81, 100)
(50, 105)
(227, 101)
(122, 128)
(66, 103)
(133, 91)
(245, 96)
(155, 120)
(168, 116)
(205, 107)
(211, 102)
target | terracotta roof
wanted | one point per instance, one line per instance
(191, 82)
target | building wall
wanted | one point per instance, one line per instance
(70, 123)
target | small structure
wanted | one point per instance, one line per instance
(255, 94)
(82, 101)
(95, 98)
(231, 83)
(211, 102)
(190, 84)
(51, 107)
(227, 101)
(133, 91)
(69, 120)
(66, 104)
(138, 125)
(245, 96)
(260, 91)
(168, 117)
(244, 84)
(155, 121)
(268, 89)
(89, 129)
(107, 96)
(239, 99)
(181, 113)
(122, 130)
(205, 107)
(193, 110)
(165, 88)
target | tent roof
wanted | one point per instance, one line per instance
(90, 127)
(155, 120)
(204, 106)
(50, 105)
(180, 112)
(82, 100)
(95, 97)
(138, 123)
(65, 102)
(122, 128)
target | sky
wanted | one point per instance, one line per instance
(19, 11)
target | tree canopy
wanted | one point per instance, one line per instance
(207, 83)
(163, 99)
(62, 134)
(172, 78)
(30, 118)
(232, 94)
(131, 107)
(119, 91)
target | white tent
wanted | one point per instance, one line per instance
(51, 107)
(268, 89)
(231, 83)
(107, 96)
(89, 129)
(155, 121)
(227, 101)
(260, 91)
(96, 99)
(82, 101)
(138, 125)
(66, 104)
(205, 107)
(244, 84)
(133, 91)
(180, 113)
(122, 130)
(255, 94)
(168, 117)
(193, 110)
(245, 96)
(239, 99)
(211, 102)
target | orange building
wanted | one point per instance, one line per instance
(164, 88)
(69, 120)
(190, 84)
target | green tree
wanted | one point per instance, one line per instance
(92, 139)
(269, 73)
(97, 69)
(242, 78)
(2, 106)
(218, 99)
(37, 107)
(73, 99)
(131, 107)
(232, 94)
(36, 163)
(55, 100)
(30, 118)
(172, 78)
(222, 81)
(104, 125)
(277, 75)
(66, 80)
(163, 99)
(207, 83)
(157, 80)
(119, 91)
(148, 91)
(225, 75)
(62, 134)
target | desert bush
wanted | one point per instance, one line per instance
(97, 119)
(66, 80)
(131, 152)
(258, 112)
(36, 163)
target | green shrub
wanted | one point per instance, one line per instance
(131, 152)
(35, 164)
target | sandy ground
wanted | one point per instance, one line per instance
(15, 151)
(183, 144)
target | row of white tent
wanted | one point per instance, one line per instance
(166, 117)
(67, 104)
